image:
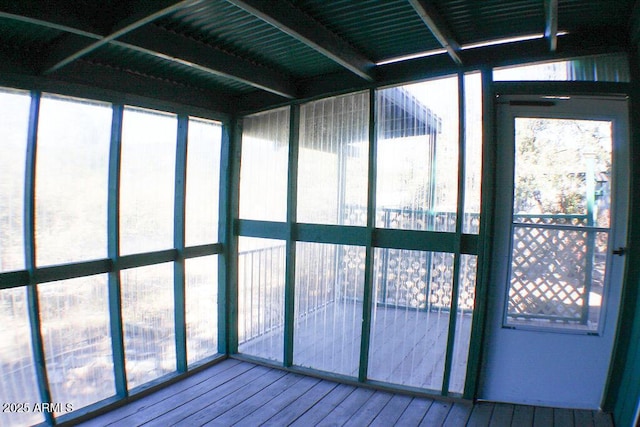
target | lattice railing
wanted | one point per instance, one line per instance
(551, 268)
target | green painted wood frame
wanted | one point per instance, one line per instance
(370, 238)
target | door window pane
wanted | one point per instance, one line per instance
(410, 318)
(261, 280)
(77, 340)
(17, 370)
(201, 307)
(148, 316)
(14, 123)
(417, 175)
(203, 181)
(561, 214)
(264, 166)
(328, 307)
(72, 173)
(333, 160)
(147, 181)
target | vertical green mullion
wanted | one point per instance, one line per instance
(455, 291)
(113, 250)
(224, 234)
(233, 201)
(30, 255)
(179, 211)
(367, 298)
(292, 201)
(476, 343)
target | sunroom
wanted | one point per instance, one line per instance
(428, 200)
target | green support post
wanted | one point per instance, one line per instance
(476, 342)
(113, 251)
(178, 243)
(232, 247)
(30, 256)
(225, 234)
(369, 276)
(292, 201)
(455, 290)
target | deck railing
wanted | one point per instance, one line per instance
(432, 291)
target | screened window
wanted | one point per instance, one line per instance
(201, 293)
(328, 307)
(599, 68)
(333, 160)
(263, 172)
(14, 119)
(95, 175)
(148, 316)
(18, 382)
(261, 281)
(147, 185)
(203, 182)
(417, 156)
(78, 354)
(72, 168)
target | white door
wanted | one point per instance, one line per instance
(558, 259)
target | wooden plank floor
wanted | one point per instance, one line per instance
(239, 393)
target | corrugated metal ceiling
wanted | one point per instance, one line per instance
(218, 23)
(238, 47)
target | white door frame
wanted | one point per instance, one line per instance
(500, 378)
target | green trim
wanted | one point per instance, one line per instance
(336, 234)
(203, 250)
(232, 259)
(478, 326)
(623, 387)
(224, 236)
(434, 241)
(71, 271)
(179, 213)
(369, 274)
(113, 249)
(37, 342)
(470, 244)
(292, 203)
(262, 229)
(12, 279)
(144, 259)
(455, 291)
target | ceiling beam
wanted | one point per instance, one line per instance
(438, 28)
(551, 23)
(307, 30)
(138, 19)
(160, 43)
(149, 39)
(609, 40)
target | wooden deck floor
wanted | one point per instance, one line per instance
(234, 392)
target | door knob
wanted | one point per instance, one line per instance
(620, 251)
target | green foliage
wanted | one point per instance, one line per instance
(552, 162)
